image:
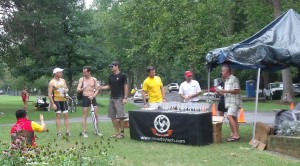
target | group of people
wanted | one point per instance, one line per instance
(89, 87)
(189, 91)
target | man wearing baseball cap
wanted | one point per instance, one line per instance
(190, 89)
(57, 90)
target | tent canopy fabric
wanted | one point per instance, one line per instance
(275, 47)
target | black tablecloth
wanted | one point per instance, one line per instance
(173, 127)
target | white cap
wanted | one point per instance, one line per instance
(57, 70)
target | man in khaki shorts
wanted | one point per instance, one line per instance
(117, 83)
(232, 94)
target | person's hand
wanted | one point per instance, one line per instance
(124, 101)
(164, 100)
(145, 105)
(41, 117)
(54, 106)
(91, 97)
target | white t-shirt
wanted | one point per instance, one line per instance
(190, 88)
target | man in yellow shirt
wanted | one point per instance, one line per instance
(57, 90)
(154, 87)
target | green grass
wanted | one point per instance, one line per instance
(9, 105)
(131, 152)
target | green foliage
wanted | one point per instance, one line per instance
(18, 153)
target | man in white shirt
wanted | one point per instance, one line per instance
(190, 89)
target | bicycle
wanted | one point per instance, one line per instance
(72, 102)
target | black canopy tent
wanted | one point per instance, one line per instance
(275, 47)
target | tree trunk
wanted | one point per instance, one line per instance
(288, 89)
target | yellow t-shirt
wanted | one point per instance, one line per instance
(152, 87)
(36, 127)
(58, 90)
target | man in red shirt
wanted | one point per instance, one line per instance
(25, 127)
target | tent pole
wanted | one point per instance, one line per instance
(256, 105)
(208, 83)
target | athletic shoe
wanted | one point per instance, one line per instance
(68, 134)
(59, 135)
(84, 134)
(98, 134)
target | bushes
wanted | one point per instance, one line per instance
(81, 154)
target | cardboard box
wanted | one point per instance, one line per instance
(262, 132)
(217, 128)
(217, 138)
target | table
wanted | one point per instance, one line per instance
(182, 127)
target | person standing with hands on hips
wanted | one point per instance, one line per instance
(117, 83)
(90, 88)
(190, 89)
(57, 90)
(154, 87)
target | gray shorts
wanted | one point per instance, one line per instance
(116, 109)
(233, 110)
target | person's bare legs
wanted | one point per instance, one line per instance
(97, 117)
(25, 106)
(116, 125)
(233, 125)
(84, 117)
(57, 120)
(66, 120)
(221, 113)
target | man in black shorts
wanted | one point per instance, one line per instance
(89, 86)
(117, 83)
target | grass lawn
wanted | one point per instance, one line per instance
(9, 105)
(131, 152)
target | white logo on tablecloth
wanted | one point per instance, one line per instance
(162, 123)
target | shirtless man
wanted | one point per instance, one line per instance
(89, 86)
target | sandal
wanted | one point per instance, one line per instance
(231, 139)
(120, 136)
(114, 136)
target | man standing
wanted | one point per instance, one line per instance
(57, 90)
(117, 83)
(190, 89)
(89, 86)
(25, 127)
(154, 87)
(233, 101)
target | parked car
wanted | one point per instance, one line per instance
(173, 87)
(273, 91)
(297, 89)
(138, 96)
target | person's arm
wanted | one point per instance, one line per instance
(66, 90)
(79, 86)
(144, 99)
(96, 88)
(163, 93)
(125, 93)
(106, 87)
(43, 123)
(50, 89)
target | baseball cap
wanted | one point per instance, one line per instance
(57, 70)
(188, 73)
(114, 63)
